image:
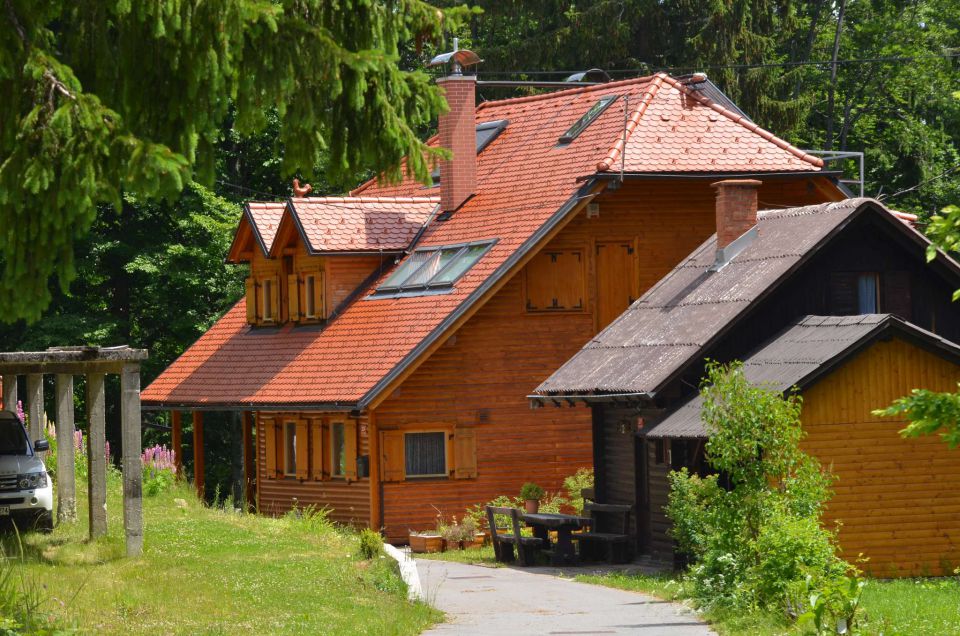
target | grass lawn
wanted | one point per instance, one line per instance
(206, 571)
(905, 606)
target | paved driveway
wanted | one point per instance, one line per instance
(481, 601)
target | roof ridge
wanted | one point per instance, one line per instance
(816, 208)
(361, 199)
(749, 125)
(618, 146)
(568, 91)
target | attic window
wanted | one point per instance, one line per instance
(581, 124)
(432, 268)
(486, 133)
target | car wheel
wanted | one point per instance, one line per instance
(44, 522)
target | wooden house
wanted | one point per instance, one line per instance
(388, 340)
(836, 299)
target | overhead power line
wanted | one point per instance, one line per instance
(864, 60)
(942, 175)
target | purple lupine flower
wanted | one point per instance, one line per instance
(20, 413)
(108, 450)
(78, 441)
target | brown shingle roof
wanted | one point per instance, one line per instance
(799, 355)
(690, 308)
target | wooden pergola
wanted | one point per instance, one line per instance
(94, 363)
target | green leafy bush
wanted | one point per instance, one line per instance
(575, 484)
(755, 535)
(531, 490)
(371, 544)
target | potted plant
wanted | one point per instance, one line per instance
(426, 541)
(531, 494)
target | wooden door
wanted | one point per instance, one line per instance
(617, 279)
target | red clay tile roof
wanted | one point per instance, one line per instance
(523, 180)
(265, 218)
(360, 224)
(675, 129)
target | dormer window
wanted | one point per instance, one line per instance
(310, 295)
(588, 117)
(432, 269)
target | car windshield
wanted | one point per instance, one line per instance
(13, 439)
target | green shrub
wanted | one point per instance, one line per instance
(753, 542)
(530, 491)
(575, 484)
(157, 482)
(371, 544)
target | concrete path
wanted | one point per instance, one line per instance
(481, 601)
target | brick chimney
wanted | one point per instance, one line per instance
(736, 209)
(458, 133)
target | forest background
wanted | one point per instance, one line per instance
(881, 77)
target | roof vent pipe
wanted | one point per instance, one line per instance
(458, 175)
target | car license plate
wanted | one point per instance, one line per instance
(4, 511)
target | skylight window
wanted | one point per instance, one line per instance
(432, 268)
(581, 124)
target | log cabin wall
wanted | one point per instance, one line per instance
(315, 483)
(480, 377)
(898, 499)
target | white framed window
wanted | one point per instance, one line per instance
(290, 449)
(425, 454)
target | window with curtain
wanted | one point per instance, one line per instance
(290, 448)
(425, 454)
(339, 456)
(867, 295)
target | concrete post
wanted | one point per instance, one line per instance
(10, 392)
(176, 441)
(66, 477)
(249, 470)
(132, 467)
(96, 455)
(35, 405)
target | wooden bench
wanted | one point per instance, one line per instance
(609, 535)
(504, 539)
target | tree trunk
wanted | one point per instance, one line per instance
(831, 94)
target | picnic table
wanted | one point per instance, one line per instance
(563, 550)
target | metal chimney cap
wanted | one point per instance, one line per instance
(592, 75)
(695, 78)
(457, 57)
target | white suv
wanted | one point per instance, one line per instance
(26, 494)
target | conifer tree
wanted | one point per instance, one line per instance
(102, 97)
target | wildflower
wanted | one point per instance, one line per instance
(20, 414)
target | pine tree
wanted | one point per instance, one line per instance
(103, 97)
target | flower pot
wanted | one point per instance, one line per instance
(531, 506)
(479, 540)
(425, 543)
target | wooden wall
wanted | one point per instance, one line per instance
(349, 501)
(898, 499)
(482, 375)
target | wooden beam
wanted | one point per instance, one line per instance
(176, 441)
(132, 467)
(248, 426)
(96, 455)
(66, 475)
(373, 462)
(10, 392)
(35, 405)
(198, 467)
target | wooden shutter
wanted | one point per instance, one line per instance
(316, 450)
(555, 281)
(270, 447)
(303, 450)
(319, 289)
(251, 285)
(350, 450)
(293, 296)
(262, 299)
(276, 299)
(327, 451)
(843, 293)
(465, 453)
(391, 456)
(895, 297)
